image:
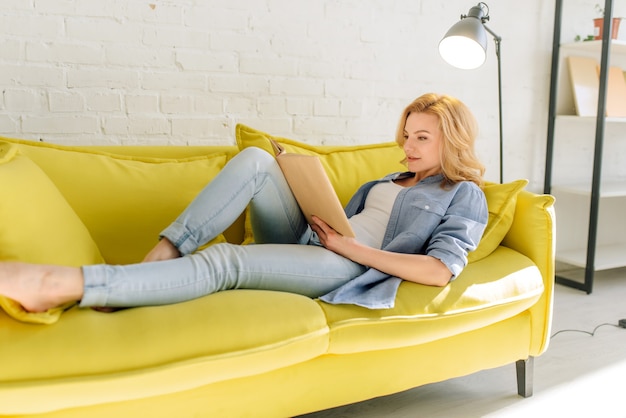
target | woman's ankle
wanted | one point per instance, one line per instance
(164, 250)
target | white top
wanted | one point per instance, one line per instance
(370, 225)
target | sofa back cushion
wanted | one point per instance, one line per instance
(38, 225)
(124, 201)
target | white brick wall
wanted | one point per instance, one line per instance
(327, 71)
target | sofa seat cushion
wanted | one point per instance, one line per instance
(149, 351)
(497, 287)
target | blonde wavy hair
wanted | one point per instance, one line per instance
(459, 130)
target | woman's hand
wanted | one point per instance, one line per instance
(333, 240)
(416, 268)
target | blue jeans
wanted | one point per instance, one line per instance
(286, 257)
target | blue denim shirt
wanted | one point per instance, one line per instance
(442, 222)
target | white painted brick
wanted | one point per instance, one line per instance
(101, 30)
(197, 127)
(31, 26)
(297, 87)
(298, 46)
(155, 11)
(321, 68)
(115, 125)
(299, 106)
(56, 7)
(239, 84)
(24, 100)
(54, 52)
(268, 65)
(9, 125)
(139, 56)
(147, 125)
(66, 102)
(202, 128)
(297, 10)
(17, 5)
(176, 37)
(176, 104)
(106, 78)
(173, 81)
(60, 124)
(138, 103)
(103, 102)
(31, 76)
(240, 106)
(320, 126)
(208, 105)
(352, 108)
(103, 8)
(137, 125)
(215, 18)
(196, 61)
(12, 50)
(240, 42)
(326, 107)
(272, 107)
(347, 88)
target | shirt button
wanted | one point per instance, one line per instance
(426, 207)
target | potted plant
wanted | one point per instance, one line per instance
(598, 24)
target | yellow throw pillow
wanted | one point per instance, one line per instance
(501, 201)
(125, 201)
(37, 225)
(348, 167)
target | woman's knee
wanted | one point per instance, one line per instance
(257, 156)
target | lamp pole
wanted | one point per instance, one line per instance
(497, 40)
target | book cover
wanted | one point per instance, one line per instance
(312, 189)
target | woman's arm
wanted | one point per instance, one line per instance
(416, 268)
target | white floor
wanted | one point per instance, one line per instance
(579, 375)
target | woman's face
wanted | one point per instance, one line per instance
(422, 144)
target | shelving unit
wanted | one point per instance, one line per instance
(582, 202)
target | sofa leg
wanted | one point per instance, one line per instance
(524, 370)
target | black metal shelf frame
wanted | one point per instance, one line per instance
(587, 285)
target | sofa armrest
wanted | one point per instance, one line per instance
(533, 234)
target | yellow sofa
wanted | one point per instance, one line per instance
(245, 353)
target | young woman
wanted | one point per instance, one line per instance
(416, 226)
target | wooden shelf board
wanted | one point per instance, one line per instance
(608, 188)
(587, 119)
(607, 257)
(617, 46)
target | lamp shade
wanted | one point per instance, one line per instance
(465, 44)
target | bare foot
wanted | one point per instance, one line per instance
(164, 250)
(39, 287)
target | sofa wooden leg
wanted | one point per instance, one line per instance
(524, 370)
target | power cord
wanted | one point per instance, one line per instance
(620, 324)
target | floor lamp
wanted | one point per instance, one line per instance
(465, 46)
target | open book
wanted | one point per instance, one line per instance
(312, 189)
